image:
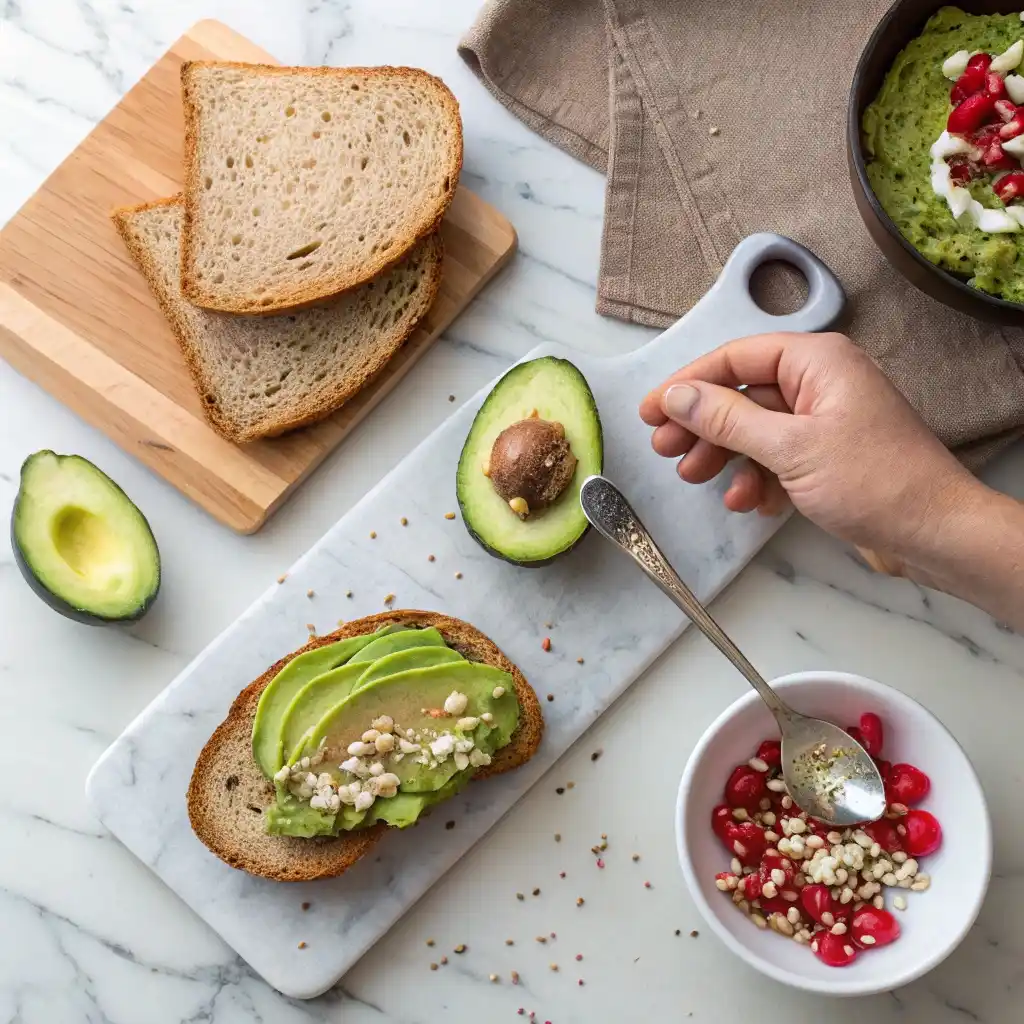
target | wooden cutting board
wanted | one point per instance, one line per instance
(78, 318)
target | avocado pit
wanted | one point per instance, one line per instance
(531, 464)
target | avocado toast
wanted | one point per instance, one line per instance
(261, 808)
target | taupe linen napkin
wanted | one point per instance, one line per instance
(716, 119)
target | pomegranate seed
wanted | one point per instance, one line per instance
(770, 752)
(871, 730)
(924, 833)
(856, 734)
(884, 833)
(970, 82)
(1006, 109)
(960, 172)
(980, 61)
(752, 886)
(721, 817)
(745, 788)
(774, 861)
(995, 86)
(1010, 186)
(971, 114)
(747, 843)
(906, 784)
(817, 900)
(775, 905)
(834, 950)
(996, 160)
(1013, 127)
(871, 928)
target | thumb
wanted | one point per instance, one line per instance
(727, 418)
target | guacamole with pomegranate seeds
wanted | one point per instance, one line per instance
(898, 129)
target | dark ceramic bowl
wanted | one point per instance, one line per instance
(904, 21)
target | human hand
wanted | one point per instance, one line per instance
(819, 423)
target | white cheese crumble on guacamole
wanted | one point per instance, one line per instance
(945, 163)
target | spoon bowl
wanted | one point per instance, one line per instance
(827, 772)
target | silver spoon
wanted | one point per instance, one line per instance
(827, 772)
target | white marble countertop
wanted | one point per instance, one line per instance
(86, 934)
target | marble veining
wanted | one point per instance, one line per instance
(88, 934)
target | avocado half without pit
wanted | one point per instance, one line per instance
(81, 544)
(536, 438)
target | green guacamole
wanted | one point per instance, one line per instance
(907, 116)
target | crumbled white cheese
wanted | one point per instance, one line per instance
(383, 724)
(498, 692)
(467, 724)
(955, 64)
(456, 703)
(963, 206)
(1008, 59)
(461, 760)
(443, 745)
(478, 759)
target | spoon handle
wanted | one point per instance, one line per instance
(613, 517)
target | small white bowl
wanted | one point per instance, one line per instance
(934, 922)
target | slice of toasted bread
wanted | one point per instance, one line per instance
(301, 183)
(228, 793)
(262, 377)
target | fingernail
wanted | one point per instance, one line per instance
(680, 400)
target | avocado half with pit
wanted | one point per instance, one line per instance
(81, 544)
(536, 438)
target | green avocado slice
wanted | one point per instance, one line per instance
(326, 691)
(408, 697)
(554, 390)
(80, 543)
(279, 692)
(400, 640)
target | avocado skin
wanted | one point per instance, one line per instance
(467, 515)
(54, 601)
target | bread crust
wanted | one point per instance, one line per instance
(344, 389)
(290, 300)
(226, 780)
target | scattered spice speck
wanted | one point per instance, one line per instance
(520, 896)
(492, 978)
(553, 935)
(679, 931)
(430, 942)
(404, 521)
(647, 885)
(579, 661)
(310, 627)
(460, 948)
(714, 131)
(604, 835)
(596, 754)
(549, 625)
(553, 967)
(636, 857)
(458, 575)
(536, 892)
(348, 593)
(580, 983)
(311, 593)
(600, 862)
(558, 837)
(433, 967)
(444, 960)
(431, 558)
(560, 790)
(306, 906)
(545, 644)
(541, 938)
(572, 785)
(510, 942)
(282, 577)
(551, 697)
(515, 980)
(373, 535)
(561, 874)
(341, 622)
(579, 956)
(302, 945)
(451, 398)
(694, 933)
(580, 901)
(521, 1011)
(449, 515)
(449, 825)
(389, 598)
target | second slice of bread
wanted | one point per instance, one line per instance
(260, 377)
(301, 183)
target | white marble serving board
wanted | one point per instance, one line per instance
(600, 606)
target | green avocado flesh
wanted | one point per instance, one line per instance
(80, 542)
(330, 709)
(898, 130)
(559, 393)
(277, 697)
